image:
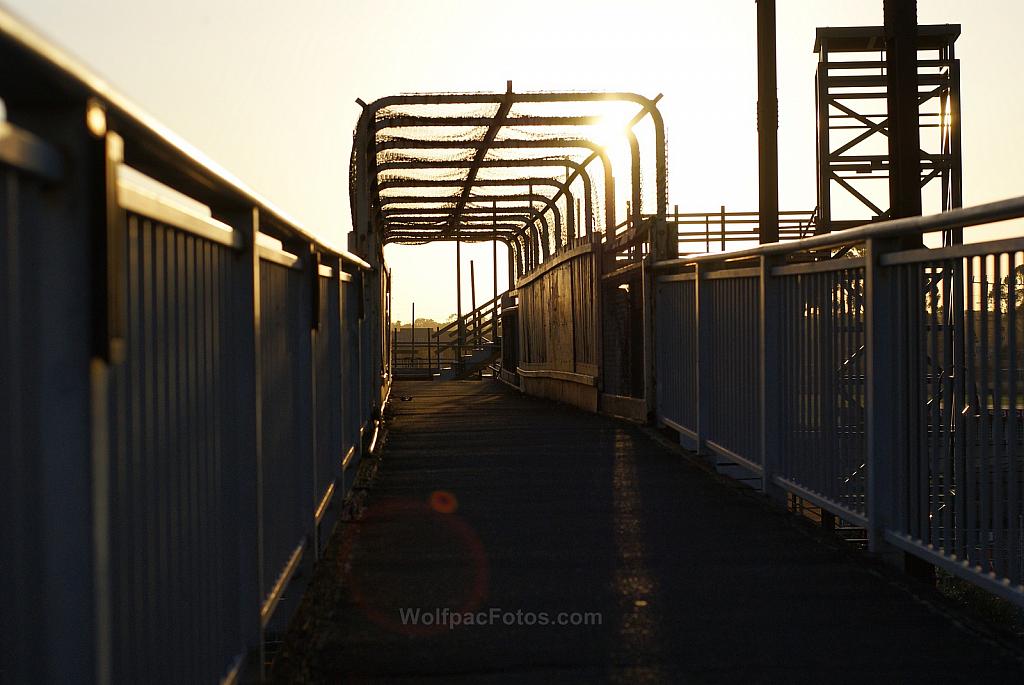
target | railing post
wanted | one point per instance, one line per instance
(249, 446)
(704, 352)
(647, 284)
(881, 405)
(769, 314)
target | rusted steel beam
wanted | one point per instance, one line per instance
(481, 152)
(370, 119)
(442, 183)
(482, 229)
(579, 171)
(402, 143)
(537, 214)
(422, 121)
(527, 215)
(428, 199)
(495, 98)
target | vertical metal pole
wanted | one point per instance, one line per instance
(904, 132)
(511, 263)
(955, 142)
(460, 331)
(110, 312)
(413, 334)
(494, 272)
(472, 301)
(823, 220)
(767, 125)
(722, 226)
(576, 231)
(570, 216)
(675, 226)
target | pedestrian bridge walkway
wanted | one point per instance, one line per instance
(194, 389)
(509, 506)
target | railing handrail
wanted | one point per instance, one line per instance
(739, 217)
(989, 212)
(490, 304)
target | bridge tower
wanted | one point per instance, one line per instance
(853, 123)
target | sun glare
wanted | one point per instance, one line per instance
(610, 134)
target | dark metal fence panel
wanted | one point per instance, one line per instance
(962, 352)
(734, 367)
(172, 524)
(676, 353)
(287, 435)
(821, 372)
(894, 399)
(128, 382)
(47, 623)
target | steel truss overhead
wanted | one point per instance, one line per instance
(526, 169)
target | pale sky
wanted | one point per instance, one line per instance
(268, 89)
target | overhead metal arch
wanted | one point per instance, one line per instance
(447, 140)
(579, 171)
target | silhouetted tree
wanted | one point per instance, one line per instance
(1012, 285)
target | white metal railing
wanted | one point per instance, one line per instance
(189, 381)
(876, 378)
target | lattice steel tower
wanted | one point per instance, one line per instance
(853, 154)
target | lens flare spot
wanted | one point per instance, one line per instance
(443, 502)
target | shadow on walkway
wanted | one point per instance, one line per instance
(520, 510)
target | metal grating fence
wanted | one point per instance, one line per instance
(287, 468)
(676, 353)
(878, 379)
(961, 409)
(821, 372)
(171, 454)
(173, 414)
(734, 366)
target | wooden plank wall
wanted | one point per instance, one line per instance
(559, 330)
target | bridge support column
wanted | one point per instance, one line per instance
(904, 125)
(767, 124)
